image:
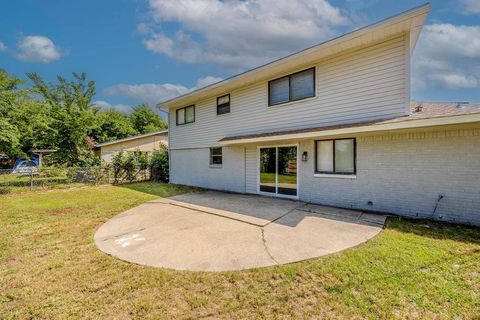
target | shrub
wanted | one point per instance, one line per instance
(128, 166)
(159, 165)
(4, 190)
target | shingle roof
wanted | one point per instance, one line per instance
(418, 111)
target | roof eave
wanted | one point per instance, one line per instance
(416, 16)
(130, 138)
(386, 126)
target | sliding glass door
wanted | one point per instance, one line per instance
(268, 168)
(278, 171)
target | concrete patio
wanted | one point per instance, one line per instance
(215, 231)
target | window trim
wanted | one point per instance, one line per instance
(218, 114)
(270, 104)
(185, 115)
(210, 157)
(333, 146)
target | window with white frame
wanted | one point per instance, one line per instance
(216, 157)
(296, 86)
(185, 115)
(335, 156)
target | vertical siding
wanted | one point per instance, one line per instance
(360, 84)
(251, 169)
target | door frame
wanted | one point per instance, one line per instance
(276, 194)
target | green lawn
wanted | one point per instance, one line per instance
(50, 269)
(282, 178)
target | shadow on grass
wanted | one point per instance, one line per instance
(158, 188)
(435, 229)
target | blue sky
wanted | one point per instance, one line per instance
(147, 51)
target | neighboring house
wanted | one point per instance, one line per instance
(334, 125)
(147, 142)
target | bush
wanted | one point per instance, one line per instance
(159, 165)
(128, 166)
(4, 190)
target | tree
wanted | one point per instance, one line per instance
(145, 120)
(72, 116)
(112, 125)
(12, 101)
(9, 139)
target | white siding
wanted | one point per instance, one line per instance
(358, 85)
(192, 167)
(251, 165)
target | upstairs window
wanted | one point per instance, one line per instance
(335, 156)
(293, 87)
(186, 115)
(216, 157)
(223, 104)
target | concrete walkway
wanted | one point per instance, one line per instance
(215, 231)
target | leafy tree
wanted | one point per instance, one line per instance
(62, 116)
(9, 139)
(145, 120)
(72, 116)
(11, 100)
(32, 120)
(159, 165)
(112, 125)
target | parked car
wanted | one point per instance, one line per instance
(26, 166)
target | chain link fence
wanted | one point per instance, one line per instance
(29, 179)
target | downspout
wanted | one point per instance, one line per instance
(245, 169)
(169, 151)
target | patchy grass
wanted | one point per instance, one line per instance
(50, 268)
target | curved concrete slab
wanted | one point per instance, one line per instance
(194, 235)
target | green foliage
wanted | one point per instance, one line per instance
(159, 165)
(145, 120)
(72, 117)
(4, 190)
(61, 116)
(10, 97)
(127, 166)
(112, 125)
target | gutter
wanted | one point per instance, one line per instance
(409, 14)
(398, 125)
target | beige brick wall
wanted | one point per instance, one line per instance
(405, 174)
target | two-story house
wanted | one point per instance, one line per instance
(333, 124)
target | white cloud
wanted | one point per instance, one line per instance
(119, 107)
(455, 81)
(37, 49)
(153, 93)
(447, 56)
(239, 34)
(470, 6)
(3, 47)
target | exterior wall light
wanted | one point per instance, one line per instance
(304, 156)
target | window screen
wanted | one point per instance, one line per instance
(186, 115)
(301, 85)
(279, 91)
(293, 87)
(216, 156)
(335, 156)
(223, 104)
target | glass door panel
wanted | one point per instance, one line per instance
(268, 165)
(287, 171)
